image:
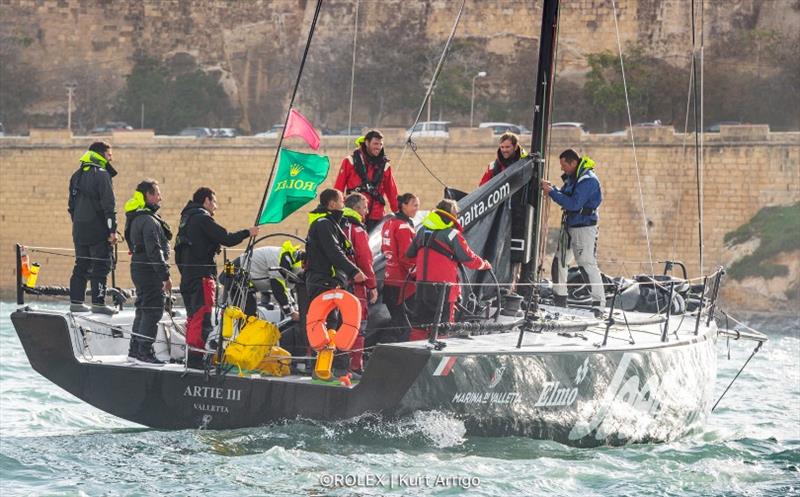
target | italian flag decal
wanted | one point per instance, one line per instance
(445, 366)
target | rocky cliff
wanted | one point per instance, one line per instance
(254, 45)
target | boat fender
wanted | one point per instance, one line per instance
(319, 337)
(33, 274)
(231, 314)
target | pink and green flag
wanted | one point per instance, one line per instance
(295, 184)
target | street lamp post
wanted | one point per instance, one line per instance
(70, 86)
(481, 74)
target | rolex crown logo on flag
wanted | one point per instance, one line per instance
(295, 184)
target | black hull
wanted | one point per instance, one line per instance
(585, 397)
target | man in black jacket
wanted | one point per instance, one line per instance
(327, 246)
(148, 239)
(199, 240)
(92, 208)
(327, 264)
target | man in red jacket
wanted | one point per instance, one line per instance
(367, 171)
(439, 248)
(397, 234)
(508, 152)
(355, 208)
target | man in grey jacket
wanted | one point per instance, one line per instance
(148, 239)
(92, 208)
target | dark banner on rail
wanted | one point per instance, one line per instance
(485, 215)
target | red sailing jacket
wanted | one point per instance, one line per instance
(362, 255)
(348, 180)
(438, 249)
(396, 238)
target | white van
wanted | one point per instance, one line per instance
(430, 129)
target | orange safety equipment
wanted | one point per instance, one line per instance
(319, 337)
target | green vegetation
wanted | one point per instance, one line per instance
(174, 96)
(778, 229)
(19, 83)
(750, 76)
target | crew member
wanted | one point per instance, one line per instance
(396, 237)
(327, 264)
(509, 152)
(355, 208)
(327, 247)
(367, 171)
(92, 208)
(148, 239)
(270, 281)
(579, 198)
(198, 241)
(438, 249)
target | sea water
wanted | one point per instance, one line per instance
(52, 444)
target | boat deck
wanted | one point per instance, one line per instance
(106, 338)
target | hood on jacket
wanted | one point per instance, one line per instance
(92, 158)
(322, 211)
(439, 220)
(348, 212)
(585, 165)
(138, 202)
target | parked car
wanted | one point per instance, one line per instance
(646, 124)
(714, 128)
(197, 131)
(569, 125)
(500, 128)
(109, 127)
(430, 129)
(649, 124)
(273, 132)
(224, 132)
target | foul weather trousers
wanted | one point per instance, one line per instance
(582, 242)
(426, 301)
(150, 300)
(199, 297)
(399, 325)
(92, 263)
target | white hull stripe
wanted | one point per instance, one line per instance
(445, 366)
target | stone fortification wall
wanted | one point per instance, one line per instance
(254, 44)
(746, 168)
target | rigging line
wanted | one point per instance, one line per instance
(683, 154)
(431, 85)
(413, 147)
(700, 142)
(353, 72)
(633, 140)
(758, 347)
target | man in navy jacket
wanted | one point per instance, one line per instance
(579, 198)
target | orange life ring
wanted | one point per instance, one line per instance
(316, 327)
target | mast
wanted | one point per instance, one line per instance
(545, 77)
